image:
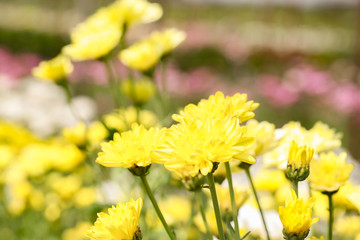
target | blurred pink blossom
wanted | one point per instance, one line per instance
(309, 80)
(15, 66)
(197, 36)
(345, 98)
(198, 81)
(278, 94)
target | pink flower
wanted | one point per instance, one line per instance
(345, 98)
(309, 80)
(13, 67)
(198, 81)
(278, 94)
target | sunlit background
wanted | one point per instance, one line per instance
(299, 59)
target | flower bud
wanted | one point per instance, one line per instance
(298, 163)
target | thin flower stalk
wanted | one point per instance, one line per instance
(233, 202)
(215, 202)
(156, 207)
(202, 212)
(247, 171)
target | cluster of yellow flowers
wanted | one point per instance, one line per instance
(42, 174)
(210, 133)
(104, 32)
(206, 143)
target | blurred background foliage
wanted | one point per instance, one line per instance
(234, 42)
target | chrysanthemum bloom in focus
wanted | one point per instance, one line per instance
(298, 162)
(132, 149)
(330, 172)
(195, 147)
(121, 222)
(219, 106)
(54, 70)
(296, 217)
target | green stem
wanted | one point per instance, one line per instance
(295, 185)
(247, 170)
(331, 215)
(233, 202)
(202, 212)
(114, 88)
(210, 178)
(117, 75)
(156, 207)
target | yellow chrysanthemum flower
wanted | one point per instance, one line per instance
(121, 222)
(145, 54)
(348, 197)
(7, 153)
(321, 138)
(51, 155)
(298, 162)
(193, 147)
(67, 186)
(219, 106)
(264, 134)
(142, 55)
(139, 91)
(121, 119)
(76, 134)
(296, 215)
(300, 156)
(16, 135)
(81, 135)
(168, 39)
(176, 209)
(85, 197)
(96, 133)
(130, 149)
(135, 12)
(53, 70)
(92, 42)
(95, 37)
(330, 172)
